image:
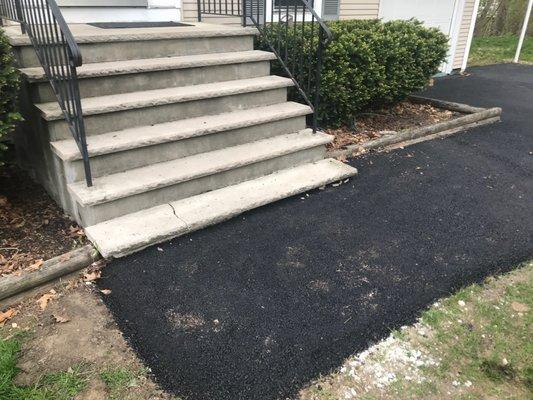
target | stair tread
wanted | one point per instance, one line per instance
(157, 64)
(149, 98)
(84, 33)
(111, 187)
(151, 135)
(132, 232)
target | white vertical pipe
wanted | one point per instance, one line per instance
(523, 33)
(470, 35)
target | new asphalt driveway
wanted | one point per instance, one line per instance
(256, 307)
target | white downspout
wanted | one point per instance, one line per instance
(523, 33)
(470, 35)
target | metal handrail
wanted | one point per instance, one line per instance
(59, 55)
(305, 70)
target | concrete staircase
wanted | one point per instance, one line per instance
(184, 130)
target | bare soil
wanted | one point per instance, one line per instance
(32, 226)
(388, 121)
(76, 329)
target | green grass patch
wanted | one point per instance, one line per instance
(499, 49)
(118, 380)
(56, 386)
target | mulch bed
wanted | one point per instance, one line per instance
(388, 121)
(32, 226)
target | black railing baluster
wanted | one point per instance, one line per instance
(300, 58)
(59, 56)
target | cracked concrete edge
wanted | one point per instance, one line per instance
(51, 270)
(481, 117)
(161, 223)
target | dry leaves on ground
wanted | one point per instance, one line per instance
(7, 315)
(91, 276)
(519, 307)
(32, 227)
(388, 121)
(46, 298)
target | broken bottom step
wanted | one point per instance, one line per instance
(130, 233)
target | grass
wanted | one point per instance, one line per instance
(118, 380)
(480, 339)
(499, 49)
(56, 386)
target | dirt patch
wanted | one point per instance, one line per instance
(388, 121)
(32, 227)
(75, 330)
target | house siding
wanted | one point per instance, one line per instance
(359, 9)
(464, 30)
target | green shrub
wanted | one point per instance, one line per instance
(367, 65)
(9, 87)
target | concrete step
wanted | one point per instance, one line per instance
(133, 190)
(101, 45)
(117, 112)
(136, 147)
(115, 77)
(127, 234)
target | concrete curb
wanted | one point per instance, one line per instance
(51, 269)
(476, 116)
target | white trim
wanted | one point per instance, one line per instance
(470, 36)
(523, 32)
(455, 29)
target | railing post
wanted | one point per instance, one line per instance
(199, 11)
(243, 12)
(20, 16)
(320, 51)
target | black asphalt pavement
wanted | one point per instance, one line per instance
(256, 307)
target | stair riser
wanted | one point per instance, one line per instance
(116, 84)
(115, 121)
(140, 157)
(116, 51)
(91, 215)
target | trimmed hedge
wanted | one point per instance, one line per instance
(367, 65)
(9, 88)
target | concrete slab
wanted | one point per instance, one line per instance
(150, 98)
(84, 33)
(140, 180)
(124, 235)
(151, 135)
(156, 64)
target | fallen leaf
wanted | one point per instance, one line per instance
(519, 307)
(341, 158)
(4, 316)
(3, 201)
(91, 276)
(36, 265)
(59, 319)
(45, 299)
(106, 291)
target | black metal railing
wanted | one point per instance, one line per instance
(59, 56)
(292, 30)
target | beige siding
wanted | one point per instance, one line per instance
(190, 13)
(463, 34)
(358, 9)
